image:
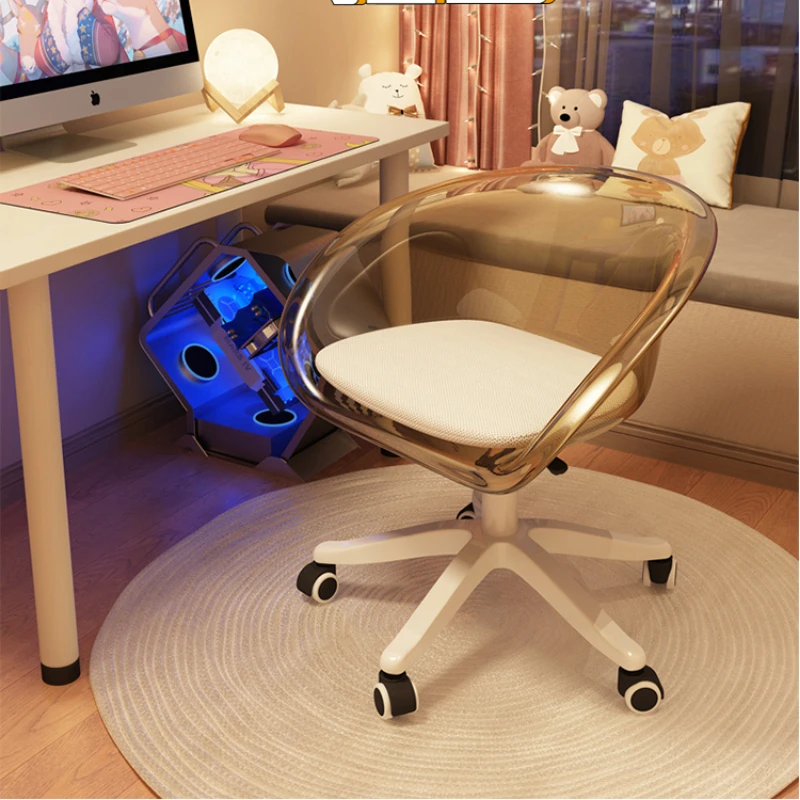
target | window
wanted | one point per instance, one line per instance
(679, 55)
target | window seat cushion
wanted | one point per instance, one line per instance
(755, 265)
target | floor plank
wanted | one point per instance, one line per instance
(138, 789)
(600, 459)
(35, 716)
(672, 477)
(102, 569)
(780, 522)
(746, 501)
(84, 762)
(129, 507)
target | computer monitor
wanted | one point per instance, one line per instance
(65, 59)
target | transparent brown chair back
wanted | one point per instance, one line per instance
(591, 263)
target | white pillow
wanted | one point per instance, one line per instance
(698, 149)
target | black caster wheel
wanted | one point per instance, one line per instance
(641, 690)
(318, 581)
(395, 695)
(661, 571)
(468, 512)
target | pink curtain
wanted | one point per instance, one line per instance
(477, 63)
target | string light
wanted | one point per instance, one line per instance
(537, 126)
(474, 68)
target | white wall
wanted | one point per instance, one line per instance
(99, 307)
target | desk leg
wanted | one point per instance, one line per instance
(394, 176)
(395, 265)
(45, 490)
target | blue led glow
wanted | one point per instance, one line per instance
(234, 291)
(228, 268)
(207, 353)
(270, 363)
(203, 375)
(292, 419)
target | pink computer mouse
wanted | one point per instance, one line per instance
(271, 135)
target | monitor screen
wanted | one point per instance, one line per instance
(55, 44)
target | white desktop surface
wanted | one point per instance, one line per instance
(36, 243)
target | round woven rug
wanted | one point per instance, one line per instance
(216, 678)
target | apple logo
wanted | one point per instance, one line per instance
(95, 99)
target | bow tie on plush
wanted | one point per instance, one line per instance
(408, 111)
(567, 139)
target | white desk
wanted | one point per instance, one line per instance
(35, 244)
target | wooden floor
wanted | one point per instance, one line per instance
(128, 508)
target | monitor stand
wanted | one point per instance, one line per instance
(55, 143)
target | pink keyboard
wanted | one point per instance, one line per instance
(133, 177)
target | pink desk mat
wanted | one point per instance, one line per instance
(57, 198)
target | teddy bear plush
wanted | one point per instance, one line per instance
(575, 140)
(393, 93)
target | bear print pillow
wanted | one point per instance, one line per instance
(698, 149)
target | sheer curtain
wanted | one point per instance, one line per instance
(477, 63)
(679, 55)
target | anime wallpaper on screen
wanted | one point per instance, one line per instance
(49, 38)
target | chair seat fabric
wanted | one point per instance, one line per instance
(471, 382)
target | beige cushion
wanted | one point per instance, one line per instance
(328, 207)
(755, 265)
(470, 382)
(698, 149)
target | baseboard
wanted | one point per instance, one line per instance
(99, 439)
(705, 453)
(714, 455)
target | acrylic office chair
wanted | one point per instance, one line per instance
(477, 328)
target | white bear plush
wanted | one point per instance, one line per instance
(388, 93)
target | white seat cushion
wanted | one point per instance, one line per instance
(471, 382)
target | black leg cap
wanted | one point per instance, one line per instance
(61, 676)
